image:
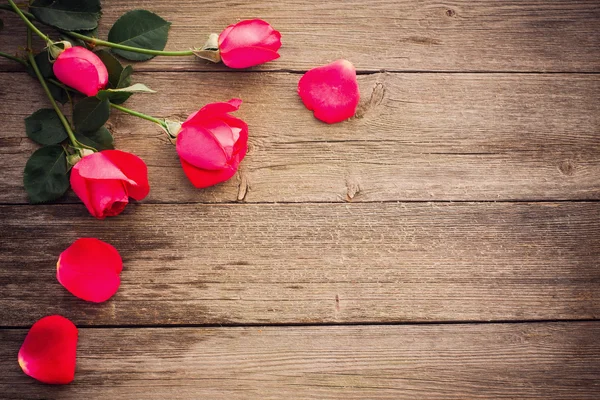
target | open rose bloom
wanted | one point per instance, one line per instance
(81, 69)
(211, 144)
(49, 350)
(249, 43)
(104, 181)
(90, 269)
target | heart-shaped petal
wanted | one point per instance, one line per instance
(49, 351)
(90, 269)
(331, 91)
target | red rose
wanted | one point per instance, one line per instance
(90, 269)
(211, 144)
(248, 43)
(331, 91)
(49, 350)
(104, 181)
(81, 69)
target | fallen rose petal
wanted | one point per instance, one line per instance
(331, 91)
(90, 269)
(49, 350)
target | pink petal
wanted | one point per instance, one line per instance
(214, 110)
(246, 57)
(81, 69)
(108, 197)
(202, 178)
(99, 166)
(200, 148)
(134, 168)
(49, 350)
(249, 43)
(249, 33)
(102, 197)
(330, 91)
(90, 269)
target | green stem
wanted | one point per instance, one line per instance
(29, 24)
(100, 42)
(9, 8)
(157, 121)
(95, 41)
(61, 116)
(17, 59)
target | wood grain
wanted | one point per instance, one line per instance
(313, 263)
(416, 137)
(524, 361)
(460, 35)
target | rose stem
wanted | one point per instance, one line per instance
(61, 116)
(157, 121)
(95, 41)
(29, 24)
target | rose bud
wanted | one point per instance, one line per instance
(248, 43)
(49, 351)
(104, 181)
(90, 269)
(331, 91)
(81, 69)
(211, 144)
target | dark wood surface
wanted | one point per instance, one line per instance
(444, 243)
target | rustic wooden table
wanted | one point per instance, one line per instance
(444, 243)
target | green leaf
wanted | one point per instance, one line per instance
(113, 97)
(68, 15)
(43, 62)
(44, 127)
(113, 66)
(100, 140)
(139, 28)
(136, 88)
(90, 114)
(45, 177)
(125, 79)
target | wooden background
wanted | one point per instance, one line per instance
(444, 243)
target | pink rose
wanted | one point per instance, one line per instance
(81, 69)
(248, 43)
(104, 181)
(211, 144)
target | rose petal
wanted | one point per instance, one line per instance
(246, 57)
(199, 147)
(49, 350)
(249, 43)
(330, 91)
(249, 33)
(81, 69)
(99, 166)
(108, 197)
(214, 110)
(202, 178)
(134, 168)
(90, 269)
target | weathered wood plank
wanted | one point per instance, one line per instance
(417, 137)
(462, 35)
(525, 361)
(313, 263)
